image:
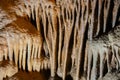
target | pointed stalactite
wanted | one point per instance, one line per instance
(6, 53)
(44, 21)
(36, 49)
(28, 10)
(1, 53)
(81, 32)
(16, 50)
(76, 29)
(39, 50)
(74, 48)
(68, 31)
(33, 10)
(20, 53)
(100, 2)
(54, 39)
(33, 49)
(86, 59)
(60, 38)
(92, 18)
(37, 13)
(10, 47)
(29, 62)
(115, 12)
(50, 42)
(24, 53)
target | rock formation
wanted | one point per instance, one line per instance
(79, 38)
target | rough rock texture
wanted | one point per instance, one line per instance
(7, 68)
(111, 76)
(103, 54)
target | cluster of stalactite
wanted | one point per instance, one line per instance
(20, 42)
(59, 41)
(103, 55)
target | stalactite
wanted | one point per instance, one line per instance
(100, 2)
(20, 54)
(16, 50)
(115, 12)
(107, 54)
(29, 62)
(10, 46)
(93, 5)
(60, 38)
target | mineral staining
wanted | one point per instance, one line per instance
(69, 37)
